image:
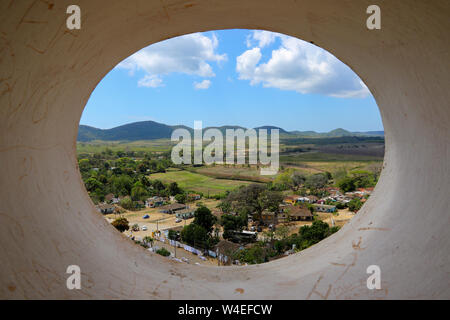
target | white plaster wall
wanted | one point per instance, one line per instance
(47, 220)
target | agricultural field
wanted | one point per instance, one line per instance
(233, 172)
(197, 182)
(307, 166)
(252, 173)
(97, 146)
(303, 155)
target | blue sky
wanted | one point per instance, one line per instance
(234, 77)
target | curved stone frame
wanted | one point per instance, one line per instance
(48, 222)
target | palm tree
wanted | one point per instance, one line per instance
(148, 239)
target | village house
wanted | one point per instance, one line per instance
(115, 200)
(172, 208)
(140, 204)
(193, 197)
(367, 190)
(269, 217)
(351, 195)
(109, 197)
(282, 216)
(295, 213)
(324, 208)
(333, 191)
(304, 200)
(105, 208)
(312, 199)
(291, 199)
(185, 213)
(154, 202)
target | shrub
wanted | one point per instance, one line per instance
(253, 255)
(163, 251)
(121, 224)
(181, 198)
(355, 204)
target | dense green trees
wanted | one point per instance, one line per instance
(198, 233)
(290, 179)
(355, 204)
(317, 181)
(84, 165)
(363, 179)
(346, 184)
(282, 232)
(120, 185)
(308, 235)
(253, 255)
(204, 218)
(121, 224)
(270, 200)
(195, 235)
(92, 184)
(173, 235)
(120, 174)
(127, 203)
(181, 198)
(139, 192)
(317, 231)
(232, 223)
(356, 179)
(298, 179)
(283, 181)
(253, 199)
(174, 189)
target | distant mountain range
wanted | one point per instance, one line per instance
(151, 130)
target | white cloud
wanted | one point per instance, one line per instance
(150, 81)
(299, 66)
(263, 38)
(190, 54)
(246, 64)
(205, 84)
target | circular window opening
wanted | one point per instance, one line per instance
(230, 147)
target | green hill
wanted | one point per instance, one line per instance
(151, 130)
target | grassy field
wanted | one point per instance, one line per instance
(306, 167)
(233, 172)
(326, 157)
(198, 182)
(305, 156)
(161, 145)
